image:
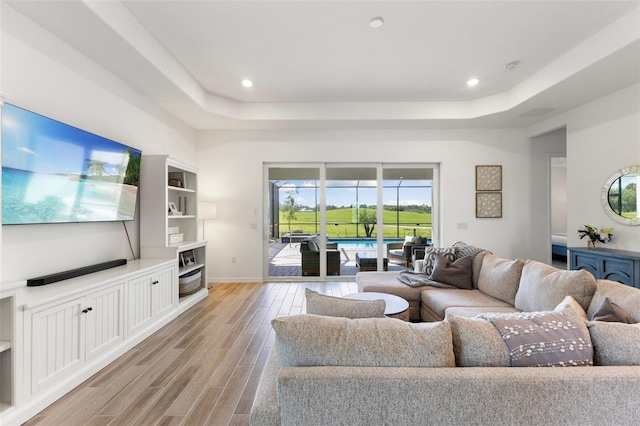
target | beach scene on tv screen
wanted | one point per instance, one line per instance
(53, 172)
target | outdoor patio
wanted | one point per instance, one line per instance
(285, 261)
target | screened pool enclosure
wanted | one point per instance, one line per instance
(358, 209)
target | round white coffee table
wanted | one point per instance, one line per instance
(396, 307)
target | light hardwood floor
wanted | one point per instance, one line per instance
(201, 369)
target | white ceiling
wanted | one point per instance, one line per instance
(318, 64)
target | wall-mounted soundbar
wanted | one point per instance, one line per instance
(59, 276)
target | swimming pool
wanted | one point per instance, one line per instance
(354, 243)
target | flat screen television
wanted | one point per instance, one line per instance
(56, 173)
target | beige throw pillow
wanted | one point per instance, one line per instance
(570, 306)
(321, 304)
(311, 340)
(499, 278)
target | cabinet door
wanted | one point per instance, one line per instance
(104, 319)
(164, 292)
(56, 344)
(139, 312)
(587, 262)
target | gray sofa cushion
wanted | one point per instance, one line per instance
(312, 340)
(615, 343)
(499, 277)
(439, 300)
(628, 298)
(265, 410)
(477, 343)
(542, 287)
(321, 304)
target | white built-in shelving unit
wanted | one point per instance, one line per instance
(165, 180)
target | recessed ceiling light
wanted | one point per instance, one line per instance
(247, 83)
(376, 22)
(473, 82)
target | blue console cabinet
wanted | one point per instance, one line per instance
(609, 264)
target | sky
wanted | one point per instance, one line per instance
(36, 143)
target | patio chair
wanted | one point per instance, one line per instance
(405, 251)
(310, 250)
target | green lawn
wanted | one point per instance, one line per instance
(340, 224)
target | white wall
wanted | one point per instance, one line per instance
(602, 137)
(42, 74)
(231, 164)
(559, 195)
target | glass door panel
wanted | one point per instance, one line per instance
(351, 215)
(408, 205)
(294, 218)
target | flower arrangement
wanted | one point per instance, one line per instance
(595, 235)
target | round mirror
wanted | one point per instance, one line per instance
(620, 196)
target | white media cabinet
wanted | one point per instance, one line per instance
(56, 336)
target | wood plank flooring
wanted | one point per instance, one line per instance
(201, 369)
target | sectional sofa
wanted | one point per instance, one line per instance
(457, 368)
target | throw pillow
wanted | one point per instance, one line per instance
(544, 339)
(611, 312)
(410, 240)
(430, 257)
(615, 343)
(457, 274)
(542, 287)
(312, 340)
(499, 278)
(468, 250)
(321, 304)
(627, 297)
(570, 306)
(477, 343)
(313, 245)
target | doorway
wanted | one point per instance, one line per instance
(343, 213)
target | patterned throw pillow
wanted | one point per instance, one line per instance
(467, 250)
(478, 343)
(544, 339)
(430, 257)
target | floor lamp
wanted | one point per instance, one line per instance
(207, 211)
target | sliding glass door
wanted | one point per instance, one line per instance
(331, 221)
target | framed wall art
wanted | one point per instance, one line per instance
(488, 204)
(488, 178)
